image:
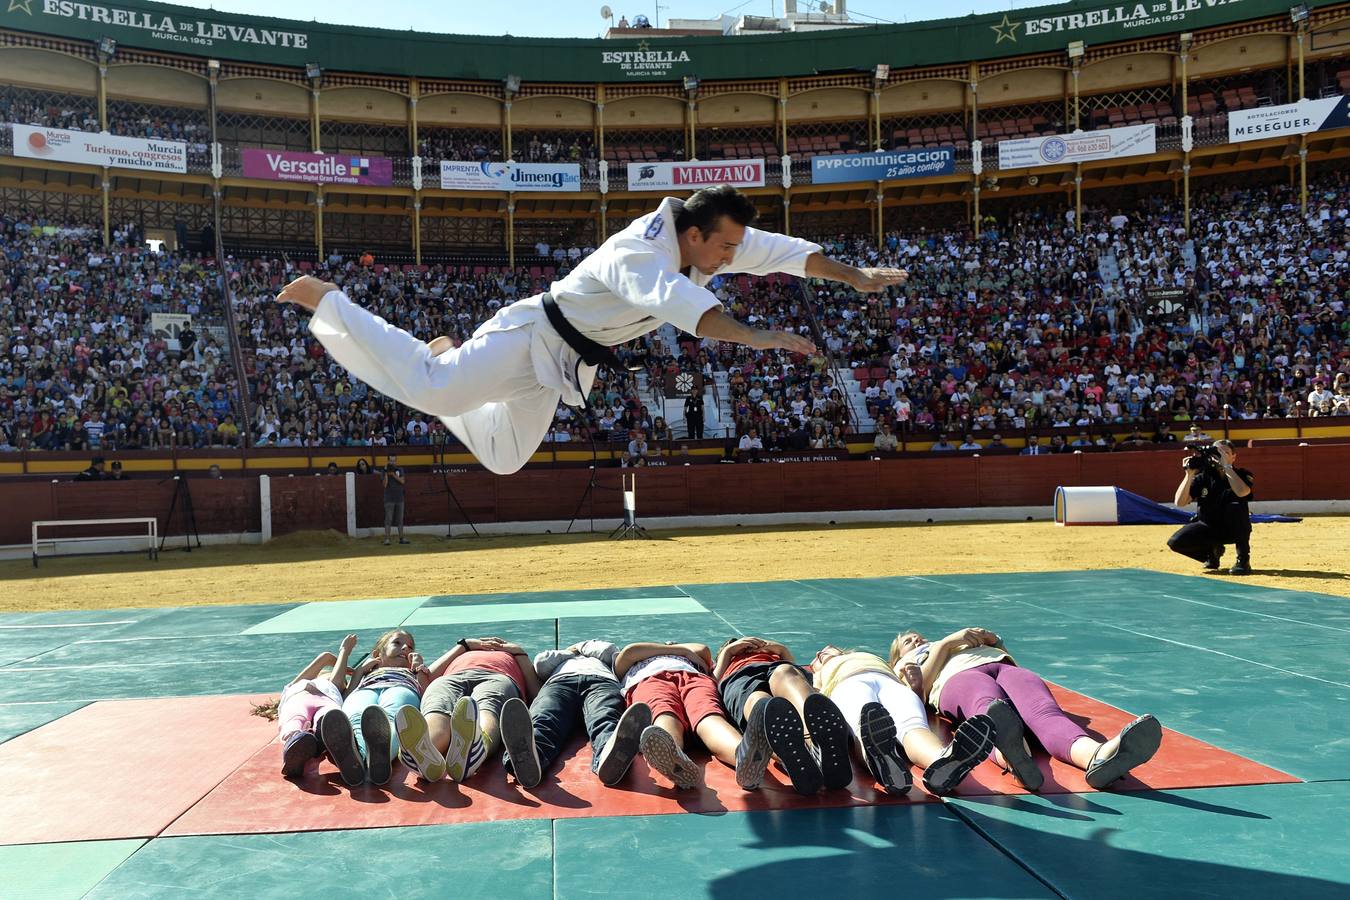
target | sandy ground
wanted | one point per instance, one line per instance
(1310, 556)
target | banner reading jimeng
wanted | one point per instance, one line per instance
(342, 48)
(883, 165)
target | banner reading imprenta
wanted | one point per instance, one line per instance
(1081, 146)
(61, 145)
(463, 175)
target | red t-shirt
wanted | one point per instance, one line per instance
(740, 662)
(498, 661)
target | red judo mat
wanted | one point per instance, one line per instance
(255, 799)
(123, 768)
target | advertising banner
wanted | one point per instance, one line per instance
(60, 145)
(458, 175)
(1303, 117)
(690, 176)
(883, 165)
(317, 168)
(1081, 146)
(168, 326)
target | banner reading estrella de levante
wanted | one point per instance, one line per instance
(1081, 146)
(690, 176)
(883, 165)
(61, 145)
(317, 168)
(1303, 117)
(463, 175)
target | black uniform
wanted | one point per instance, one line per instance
(1222, 518)
(693, 416)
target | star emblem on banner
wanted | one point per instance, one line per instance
(20, 6)
(643, 46)
(1006, 31)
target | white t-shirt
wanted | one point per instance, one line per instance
(654, 666)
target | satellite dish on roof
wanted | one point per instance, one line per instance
(606, 12)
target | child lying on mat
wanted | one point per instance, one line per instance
(968, 674)
(316, 691)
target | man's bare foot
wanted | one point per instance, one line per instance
(440, 345)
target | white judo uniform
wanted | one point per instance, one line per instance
(498, 392)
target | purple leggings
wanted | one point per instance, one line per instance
(970, 692)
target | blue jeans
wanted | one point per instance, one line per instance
(390, 699)
(561, 702)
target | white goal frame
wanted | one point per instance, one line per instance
(150, 534)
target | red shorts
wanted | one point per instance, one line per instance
(688, 696)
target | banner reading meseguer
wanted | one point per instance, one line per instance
(317, 168)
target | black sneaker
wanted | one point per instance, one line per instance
(971, 745)
(1139, 740)
(340, 741)
(882, 751)
(518, 737)
(1010, 739)
(613, 762)
(379, 739)
(830, 738)
(1214, 560)
(1243, 566)
(753, 752)
(787, 737)
(300, 749)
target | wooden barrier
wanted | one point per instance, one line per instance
(1314, 472)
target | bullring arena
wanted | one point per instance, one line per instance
(1125, 232)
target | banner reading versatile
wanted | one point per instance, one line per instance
(317, 168)
(883, 165)
(1081, 146)
(1303, 117)
(60, 145)
(457, 175)
(690, 176)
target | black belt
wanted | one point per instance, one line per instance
(591, 353)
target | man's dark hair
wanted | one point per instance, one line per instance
(707, 206)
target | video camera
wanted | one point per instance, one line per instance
(1203, 457)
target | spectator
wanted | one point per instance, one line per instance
(941, 444)
(1033, 447)
(116, 474)
(969, 444)
(213, 472)
(885, 441)
(94, 472)
(392, 478)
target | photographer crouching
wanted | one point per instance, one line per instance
(1222, 493)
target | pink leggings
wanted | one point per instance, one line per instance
(301, 712)
(969, 693)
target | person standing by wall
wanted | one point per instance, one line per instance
(393, 480)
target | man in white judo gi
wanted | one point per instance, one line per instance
(498, 392)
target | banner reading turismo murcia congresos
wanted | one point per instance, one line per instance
(1081, 146)
(883, 165)
(1303, 117)
(317, 168)
(463, 175)
(690, 176)
(60, 145)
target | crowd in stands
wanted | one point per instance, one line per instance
(1026, 326)
(82, 366)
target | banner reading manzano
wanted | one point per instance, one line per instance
(690, 176)
(317, 168)
(219, 35)
(457, 175)
(99, 149)
(883, 165)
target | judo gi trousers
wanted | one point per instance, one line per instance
(485, 391)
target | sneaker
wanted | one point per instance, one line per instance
(340, 740)
(386, 542)
(754, 750)
(787, 737)
(881, 750)
(1214, 560)
(518, 737)
(662, 754)
(1243, 566)
(463, 733)
(379, 739)
(478, 754)
(417, 750)
(614, 760)
(300, 748)
(1010, 739)
(404, 541)
(1139, 740)
(971, 745)
(830, 738)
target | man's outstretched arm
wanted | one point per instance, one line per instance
(818, 265)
